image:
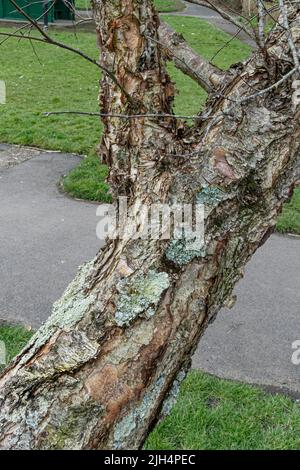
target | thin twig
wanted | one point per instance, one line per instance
(126, 116)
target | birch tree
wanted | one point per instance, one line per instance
(108, 363)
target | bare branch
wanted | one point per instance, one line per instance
(261, 23)
(284, 14)
(189, 62)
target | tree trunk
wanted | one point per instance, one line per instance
(109, 361)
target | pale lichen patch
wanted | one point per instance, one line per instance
(182, 251)
(67, 312)
(139, 296)
(210, 195)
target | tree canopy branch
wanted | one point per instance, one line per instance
(188, 61)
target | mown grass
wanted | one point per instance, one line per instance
(57, 81)
(87, 181)
(212, 413)
(215, 414)
(60, 80)
(14, 338)
(289, 221)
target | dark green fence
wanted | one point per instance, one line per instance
(35, 9)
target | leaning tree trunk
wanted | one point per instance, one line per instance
(107, 364)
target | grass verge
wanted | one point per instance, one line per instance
(87, 181)
(215, 414)
(212, 413)
(14, 338)
(169, 5)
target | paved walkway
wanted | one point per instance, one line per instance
(253, 341)
(45, 236)
(214, 18)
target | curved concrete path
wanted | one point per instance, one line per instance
(45, 236)
(214, 18)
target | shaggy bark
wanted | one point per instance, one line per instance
(110, 359)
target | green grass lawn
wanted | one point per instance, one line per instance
(59, 80)
(289, 221)
(15, 338)
(161, 5)
(213, 413)
(169, 5)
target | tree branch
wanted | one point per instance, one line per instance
(109, 361)
(189, 62)
(261, 23)
(285, 22)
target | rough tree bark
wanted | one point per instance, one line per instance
(110, 359)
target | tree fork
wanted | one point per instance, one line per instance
(108, 362)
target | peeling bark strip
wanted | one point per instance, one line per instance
(127, 34)
(110, 359)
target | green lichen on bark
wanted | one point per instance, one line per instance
(210, 195)
(139, 296)
(68, 433)
(67, 311)
(172, 397)
(182, 251)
